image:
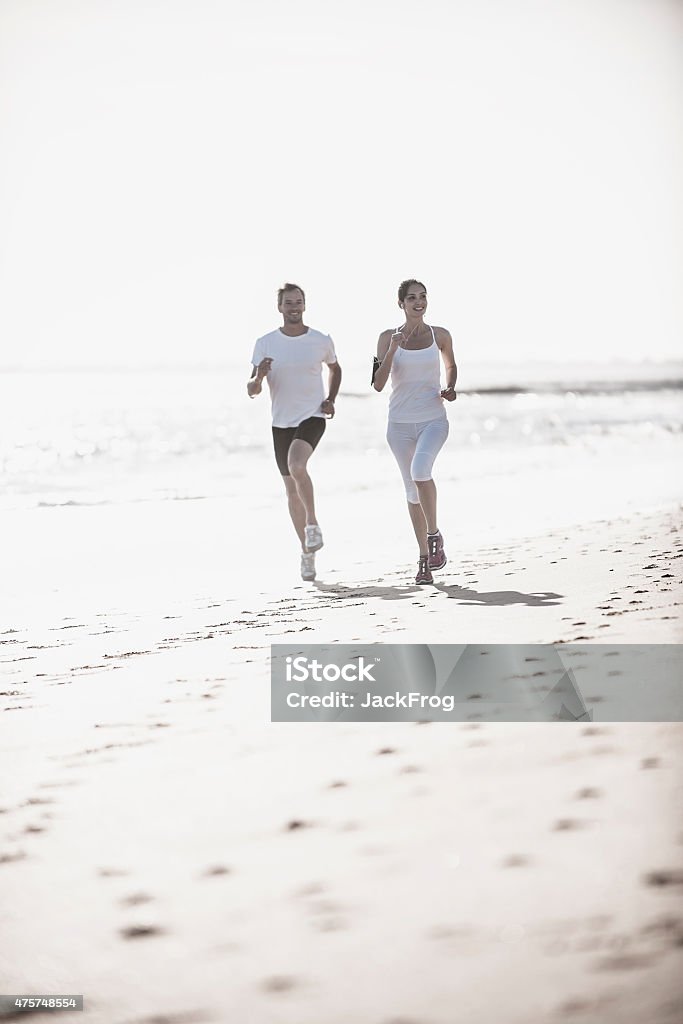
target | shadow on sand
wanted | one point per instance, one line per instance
(340, 590)
(497, 598)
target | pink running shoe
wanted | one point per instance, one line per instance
(437, 555)
(424, 574)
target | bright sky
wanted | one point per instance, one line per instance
(167, 165)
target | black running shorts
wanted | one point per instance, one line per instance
(310, 430)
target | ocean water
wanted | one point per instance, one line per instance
(83, 437)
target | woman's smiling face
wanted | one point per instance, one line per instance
(415, 302)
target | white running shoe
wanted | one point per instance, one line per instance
(308, 565)
(314, 538)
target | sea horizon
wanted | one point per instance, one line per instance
(478, 377)
(90, 436)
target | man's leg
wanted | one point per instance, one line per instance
(297, 463)
(303, 444)
(282, 442)
(297, 510)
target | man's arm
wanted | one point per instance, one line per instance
(333, 381)
(255, 384)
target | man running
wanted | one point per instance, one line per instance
(291, 358)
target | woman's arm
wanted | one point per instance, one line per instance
(445, 343)
(386, 347)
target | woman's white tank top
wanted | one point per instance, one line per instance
(416, 385)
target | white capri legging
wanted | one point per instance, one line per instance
(415, 446)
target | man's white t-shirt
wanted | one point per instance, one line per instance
(295, 377)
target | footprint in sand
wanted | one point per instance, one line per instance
(191, 1017)
(278, 984)
(310, 889)
(327, 916)
(579, 1006)
(664, 878)
(136, 899)
(296, 824)
(217, 871)
(13, 857)
(667, 931)
(624, 962)
(141, 931)
(569, 825)
(516, 860)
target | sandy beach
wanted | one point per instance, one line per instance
(177, 846)
(176, 858)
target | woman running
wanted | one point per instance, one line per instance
(418, 425)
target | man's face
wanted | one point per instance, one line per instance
(292, 306)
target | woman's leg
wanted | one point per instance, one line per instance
(417, 518)
(430, 441)
(402, 441)
(427, 492)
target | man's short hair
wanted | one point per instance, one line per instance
(289, 287)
